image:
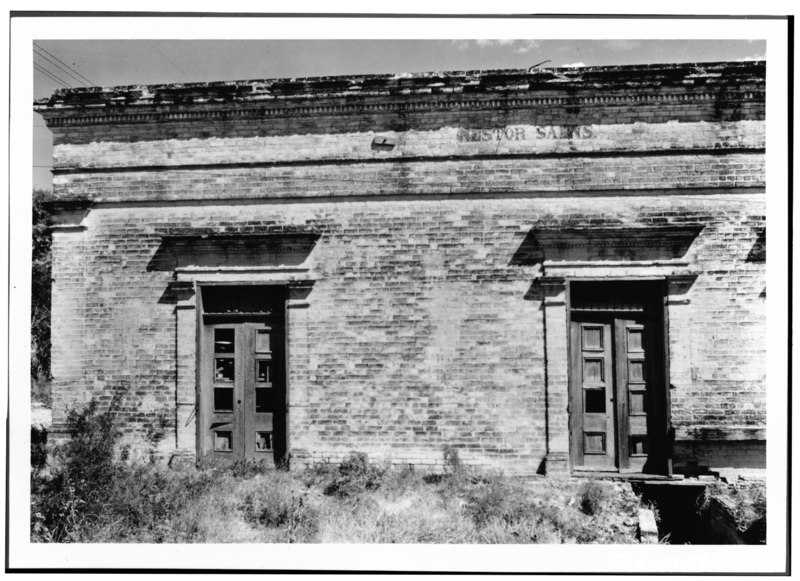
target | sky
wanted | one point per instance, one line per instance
(77, 63)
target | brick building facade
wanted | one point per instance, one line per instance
(555, 270)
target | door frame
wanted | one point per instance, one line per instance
(281, 291)
(660, 348)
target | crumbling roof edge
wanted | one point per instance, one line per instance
(620, 77)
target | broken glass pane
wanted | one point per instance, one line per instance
(263, 400)
(223, 441)
(223, 369)
(638, 445)
(262, 371)
(263, 441)
(223, 399)
(595, 401)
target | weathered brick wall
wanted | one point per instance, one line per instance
(423, 178)
(424, 327)
(528, 138)
(701, 456)
(67, 323)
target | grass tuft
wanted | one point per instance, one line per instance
(592, 497)
(355, 476)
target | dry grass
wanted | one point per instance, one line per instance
(158, 505)
(92, 497)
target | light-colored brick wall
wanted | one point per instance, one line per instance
(421, 329)
(522, 138)
(443, 177)
(424, 327)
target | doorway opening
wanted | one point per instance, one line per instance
(619, 406)
(242, 397)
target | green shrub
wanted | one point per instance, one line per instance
(592, 497)
(355, 476)
(90, 497)
(88, 455)
(41, 278)
(64, 504)
(38, 448)
(488, 501)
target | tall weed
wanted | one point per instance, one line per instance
(356, 475)
(65, 503)
(274, 501)
(592, 497)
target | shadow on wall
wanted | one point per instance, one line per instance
(268, 252)
(602, 242)
(529, 252)
(617, 243)
(234, 250)
(698, 456)
(758, 253)
(586, 244)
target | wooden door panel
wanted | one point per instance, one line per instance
(637, 425)
(243, 394)
(617, 400)
(219, 393)
(593, 394)
(262, 388)
(634, 349)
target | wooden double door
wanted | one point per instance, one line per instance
(243, 389)
(618, 400)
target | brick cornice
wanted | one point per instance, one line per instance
(408, 94)
(57, 117)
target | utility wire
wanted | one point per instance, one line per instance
(52, 76)
(65, 64)
(166, 58)
(44, 71)
(66, 68)
(60, 68)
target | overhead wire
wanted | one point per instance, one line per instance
(60, 68)
(52, 76)
(166, 58)
(82, 78)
